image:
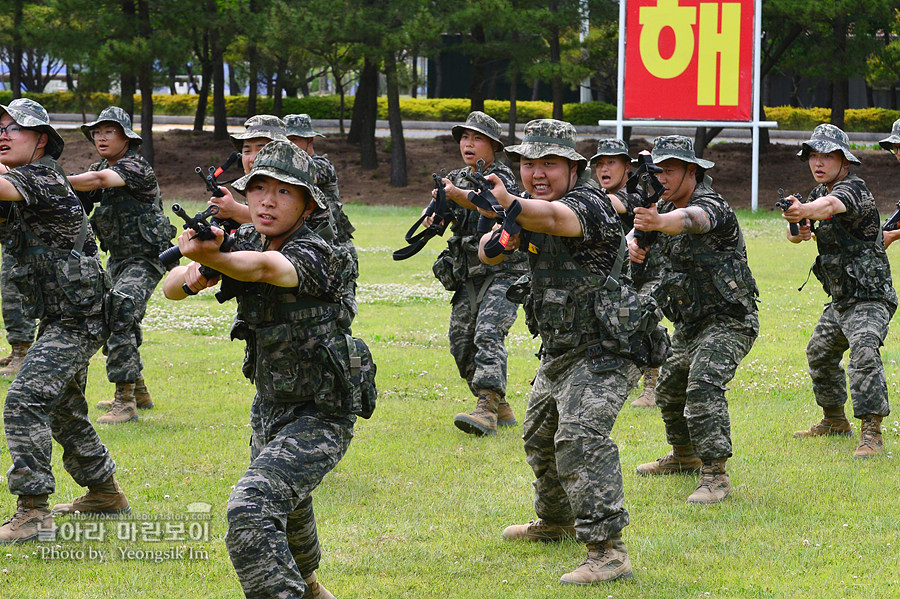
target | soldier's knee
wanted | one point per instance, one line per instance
(247, 501)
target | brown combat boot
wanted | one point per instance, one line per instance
(483, 419)
(538, 530)
(123, 407)
(314, 590)
(647, 398)
(833, 423)
(105, 498)
(16, 358)
(31, 521)
(714, 483)
(870, 442)
(681, 460)
(505, 416)
(605, 562)
(141, 397)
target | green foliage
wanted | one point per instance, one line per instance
(798, 119)
(874, 120)
(588, 113)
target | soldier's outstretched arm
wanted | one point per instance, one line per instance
(91, 180)
(8, 192)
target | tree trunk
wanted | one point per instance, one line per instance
(220, 125)
(476, 89)
(205, 76)
(438, 77)
(233, 87)
(15, 63)
(172, 88)
(128, 89)
(513, 92)
(556, 83)
(365, 111)
(703, 138)
(398, 144)
(414, 91)
(339, 85)
(276, 89)
(252, 80)
(145, 75)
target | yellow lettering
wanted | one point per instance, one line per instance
(725, 44)
(654, 19)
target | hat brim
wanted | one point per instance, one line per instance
(888, 142)
(532, 150)
(704, 164)
(288, 132)
(280, 175)
(457, 132)
(55, 143)
(599, 154)
(129, 132)
(237, 139)
(824, 147)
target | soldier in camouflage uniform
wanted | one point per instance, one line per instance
(708, 291)
(612, 165)
(20, 329)
(891, 143)
(131, 226)
(312, 377)
(480, 314)
(594, 330)
(258, 130)
(298, 128)
(63, 284)
(854, 270)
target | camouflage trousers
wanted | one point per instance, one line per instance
(137, 277)
(478, 333)
(691, 387)
(578, 476)
(861, 328)
(272, 538)
(47, 398)
(349, 275)
(19, 328)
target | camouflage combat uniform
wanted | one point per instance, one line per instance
(708, 292)
(19, 328)
(66, 292)
(854, 270)
(132, 227)
(312, 380)
(480, 314)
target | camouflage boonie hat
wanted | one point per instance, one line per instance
(826, 139)
(548, 137)
(282, 160)
(888, 142)
(611, 147)
(299, 125)
(112, 114)
(677, 146)
(31, 115)
(482, 123)
(260, 125)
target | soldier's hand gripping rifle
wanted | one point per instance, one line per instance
(203, 231)
(644, 183)
(212, 185)
(785, 205)
(892, 221)
(439, 210)
(484, 198)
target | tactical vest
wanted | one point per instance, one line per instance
(127, 227)
(701, 282)
(850, 268)
(55, 282)
(572, 308)
(297, 353)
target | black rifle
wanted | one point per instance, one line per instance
(440, 210)
(203, 231)
(641, 182)
(212, 185)
(785, 204)
(484, 198)
(892, 221)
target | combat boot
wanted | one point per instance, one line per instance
(483, 419)
(647, 398)
(314, 590)
(505, 416)
(870, 442)
(16, 358)
(605, 562)
(141, 397)
(681, 460)
(714, 483)
(123, 407)
(538, 530)
(833, 423)
(106, 498)
(32, 520)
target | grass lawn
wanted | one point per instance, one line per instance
(416, 507)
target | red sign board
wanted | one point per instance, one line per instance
(689, 60)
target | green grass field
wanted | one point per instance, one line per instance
(416, 507)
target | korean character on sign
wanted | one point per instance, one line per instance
(151, 532)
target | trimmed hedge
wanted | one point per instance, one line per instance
(440, 109)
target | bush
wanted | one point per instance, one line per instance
(588, 113)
